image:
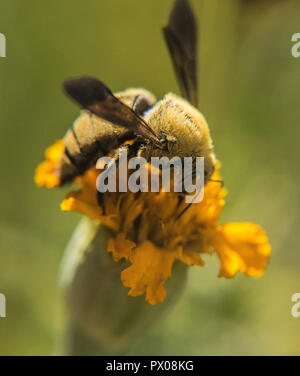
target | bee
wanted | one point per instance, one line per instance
(169, 127)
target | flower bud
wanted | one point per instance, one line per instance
(102, 318)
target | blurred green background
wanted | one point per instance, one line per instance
(249, 92)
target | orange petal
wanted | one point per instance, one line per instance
(209, 209)
(151, 267)
(76, 202)
(120, 247)
(241, 247)
(44, 174)
(191, 258)
(85, 201)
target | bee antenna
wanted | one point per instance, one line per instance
(183, 211)
(217, 181)
(189, 205)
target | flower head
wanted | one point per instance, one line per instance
(148, 234)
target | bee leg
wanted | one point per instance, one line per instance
(101, 201)
(167, 141)
(183, 211)
(192, 175)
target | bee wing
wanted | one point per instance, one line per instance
(181, 38)
(94, 96)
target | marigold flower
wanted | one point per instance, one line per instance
(150, 237)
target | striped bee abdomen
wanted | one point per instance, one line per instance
(92, 137)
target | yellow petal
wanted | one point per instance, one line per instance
(209, 209)
(76, 202)
(44, 174)
(85, 201)
(241, 247)
(151, 267)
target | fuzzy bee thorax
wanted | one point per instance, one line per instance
(181, 126)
